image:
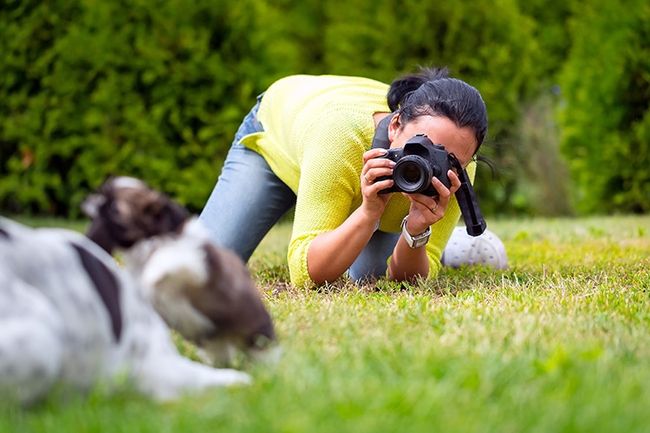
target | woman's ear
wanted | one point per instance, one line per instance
(394, 126)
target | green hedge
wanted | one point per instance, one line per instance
(92, 88)
(156, 89)
(606, 114)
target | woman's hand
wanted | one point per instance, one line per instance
(331, 253)
(373, 204)
(426, 211)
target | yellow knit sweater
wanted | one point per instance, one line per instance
(316, 129)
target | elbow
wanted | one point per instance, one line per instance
(299, 276)
(407, 277)
(321, 276)
(411, 274)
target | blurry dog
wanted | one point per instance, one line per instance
(69, 315)
(202, 291)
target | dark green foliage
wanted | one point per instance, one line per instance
(606, 116)
(156, 89)
(93, 88)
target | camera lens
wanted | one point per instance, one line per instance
(412, 174)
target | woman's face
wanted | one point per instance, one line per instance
(440, 130)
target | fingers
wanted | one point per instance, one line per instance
(437, 206)
(375, 178)
(427, 204)
(373, 153)
(424, 211)
(375, 188)
(455, 181)
(372, 174)
(443, 193)
(375, 167)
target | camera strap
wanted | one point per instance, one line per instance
(380, 140)
(474, 221)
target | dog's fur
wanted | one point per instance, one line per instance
(70, 315)
(202, 291)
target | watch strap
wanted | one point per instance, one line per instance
(415, 241)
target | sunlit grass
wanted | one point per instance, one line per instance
(558, 342)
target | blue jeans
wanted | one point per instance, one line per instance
(249, 199)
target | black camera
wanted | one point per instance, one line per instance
(418, 162)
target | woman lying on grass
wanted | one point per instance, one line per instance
(307, 142)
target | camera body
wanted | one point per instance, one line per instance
(416, 164)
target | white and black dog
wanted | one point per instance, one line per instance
(69, 315)
(201, 290)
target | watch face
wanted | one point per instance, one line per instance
(421, 242)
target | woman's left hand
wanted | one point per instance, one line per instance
(425, 210)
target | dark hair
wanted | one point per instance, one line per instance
(431, 91)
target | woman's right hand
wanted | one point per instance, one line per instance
(373, 167)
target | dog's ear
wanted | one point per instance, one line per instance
(100, 229)
(90, 206)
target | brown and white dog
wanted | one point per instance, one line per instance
(201, 290)
(70, 316)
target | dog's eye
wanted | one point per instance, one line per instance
(114, 209)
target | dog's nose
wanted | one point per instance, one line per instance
(264, 335)
(269, 356)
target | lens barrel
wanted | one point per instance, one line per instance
(412, 174)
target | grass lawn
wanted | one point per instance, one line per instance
(560, 342)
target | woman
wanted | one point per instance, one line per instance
(308, 142)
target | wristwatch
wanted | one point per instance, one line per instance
(415, 241)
